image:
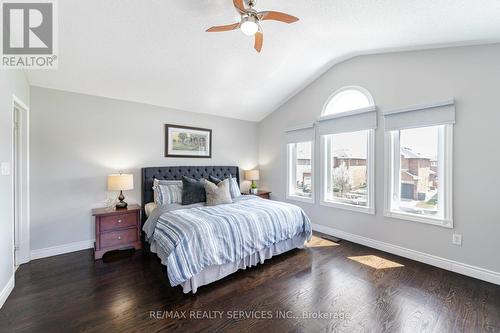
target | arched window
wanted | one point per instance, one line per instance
(348, 99)
(347, 137)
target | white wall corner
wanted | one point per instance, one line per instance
(7, 290)
(61, 249)
(447, 264)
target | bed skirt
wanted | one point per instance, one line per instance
(214, 273)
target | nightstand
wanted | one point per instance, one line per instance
(262, 194)
(117, 229)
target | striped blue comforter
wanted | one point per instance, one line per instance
(196, 238)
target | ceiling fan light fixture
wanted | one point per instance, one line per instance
(250, 20)
(249, 26)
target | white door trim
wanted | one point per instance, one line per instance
(23, 253)
(5, 292)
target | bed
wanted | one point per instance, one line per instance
(201, 244)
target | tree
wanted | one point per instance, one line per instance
(182, 137)
(341, 179)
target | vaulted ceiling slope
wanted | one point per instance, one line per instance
(157, 52)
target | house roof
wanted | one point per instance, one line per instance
(346, 154)
(415, 177)
(409, 153)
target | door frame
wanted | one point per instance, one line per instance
(22, 241)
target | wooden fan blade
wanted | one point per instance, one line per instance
(240, 7)
(259, 39)
(277, 16)
(227, 27)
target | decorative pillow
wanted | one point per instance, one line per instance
(214, 179)
(234, 189)
(167, 191)
(218, 194)
(193, 191)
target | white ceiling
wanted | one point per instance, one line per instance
(156, 51)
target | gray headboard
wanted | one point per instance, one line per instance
(176, 173)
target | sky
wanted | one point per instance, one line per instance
(355, 143)
(421, 140)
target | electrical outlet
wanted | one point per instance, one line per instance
(5, 168)
(457, 239)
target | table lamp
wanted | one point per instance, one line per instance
(121, 182)
(252, 175)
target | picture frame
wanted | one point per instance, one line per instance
(187, 141)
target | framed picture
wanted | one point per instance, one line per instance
(184, 141)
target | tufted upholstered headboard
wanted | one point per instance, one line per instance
(176, 173)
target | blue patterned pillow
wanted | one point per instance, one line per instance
(167, 191)
(234, 188)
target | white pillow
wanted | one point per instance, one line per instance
(218, 194)
(167, 191)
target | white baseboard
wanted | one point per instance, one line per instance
(6, 290)
(61, 249)
(450, 265)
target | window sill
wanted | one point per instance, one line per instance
(354, 208)
(416, 218)
(298, 198)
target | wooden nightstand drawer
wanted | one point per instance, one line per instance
(118, 222)
(116, 229)
(119, 237)
(262, 194)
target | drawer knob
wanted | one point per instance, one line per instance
(119, 237)
(119, 221)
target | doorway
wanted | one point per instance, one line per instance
(20, 181)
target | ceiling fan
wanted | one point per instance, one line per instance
(250, 21)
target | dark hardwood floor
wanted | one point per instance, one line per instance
(353, 288)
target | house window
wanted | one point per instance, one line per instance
(346, 130)
(347, 169)
(420, 168)
(348, 99)
(300, 171)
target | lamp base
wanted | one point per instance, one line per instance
(122, 204)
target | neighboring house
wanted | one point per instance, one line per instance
(303, 176)
(355, 164)
(418, 175)
(433, 175)
(306, 181)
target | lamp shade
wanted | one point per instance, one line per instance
(120, 182)
(252, 175)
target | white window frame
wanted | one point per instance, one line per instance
(291, 170)
(350, 112)
(445, 189)
(370, 182)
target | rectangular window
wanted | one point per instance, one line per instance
(300, 171)
(348, 170)
(420, 174)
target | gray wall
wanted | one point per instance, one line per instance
(472, 76)
(11, 82)
(77, 140)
